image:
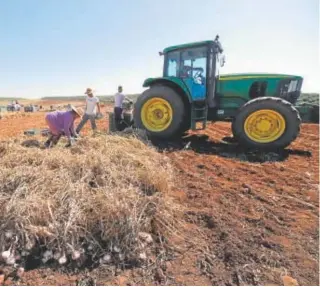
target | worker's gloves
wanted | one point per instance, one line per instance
(70, 143)
(47, 144)
(76, 136)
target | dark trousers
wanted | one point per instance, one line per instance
(84, 120)
(117, 113)
(118, 118)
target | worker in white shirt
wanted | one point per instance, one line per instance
(118, 101)
(92, 105)
(119, 98)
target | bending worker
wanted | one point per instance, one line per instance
(61, 123)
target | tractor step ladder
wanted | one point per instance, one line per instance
(199, 114)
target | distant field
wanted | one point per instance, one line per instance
(82, 98)
(10, 99)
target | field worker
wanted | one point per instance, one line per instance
(118, 102)
(92, 104)
(61, 123)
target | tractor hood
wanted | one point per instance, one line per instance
(230, 77)
(252, 85)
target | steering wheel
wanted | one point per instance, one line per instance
(198, 74)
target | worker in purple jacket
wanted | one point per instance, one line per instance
(61, 123)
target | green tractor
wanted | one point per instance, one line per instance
(190, 93)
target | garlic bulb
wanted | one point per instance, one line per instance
(63, 259)
(10, 260)
(57, 255)
(90, 247)
(105, 259)
(116, 249)
(121, 256)
(146, 237)
(47, 255)
(75, 255)
(9, 234)
(143, 256)
(20, 272)
(6, 254)
(30, 244)
(24, 253)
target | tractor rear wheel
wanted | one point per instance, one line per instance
(266, 123)
(160, 111)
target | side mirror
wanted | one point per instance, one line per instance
(161, 54)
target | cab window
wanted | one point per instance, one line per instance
(173, 63)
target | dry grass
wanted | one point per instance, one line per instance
(94, 198)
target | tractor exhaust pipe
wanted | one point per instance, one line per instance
(219, 48)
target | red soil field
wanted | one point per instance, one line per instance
(258, 213)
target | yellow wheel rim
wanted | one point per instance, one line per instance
(156, 114)
(264, 126)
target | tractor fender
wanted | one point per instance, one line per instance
(176, 84)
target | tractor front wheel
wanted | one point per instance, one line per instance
(160, 111)
(266, 123)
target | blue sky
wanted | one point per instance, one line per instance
(61, 47)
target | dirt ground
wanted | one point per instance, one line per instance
(259, 213)
(13, 124)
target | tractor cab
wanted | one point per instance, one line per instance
(194, 67)
(190, 66)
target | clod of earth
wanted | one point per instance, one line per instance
(247, 187)
(146, 237)
(289, 281)
(1, 279)
(20, 272)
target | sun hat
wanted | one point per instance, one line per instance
(88, 91)
(73, 108)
